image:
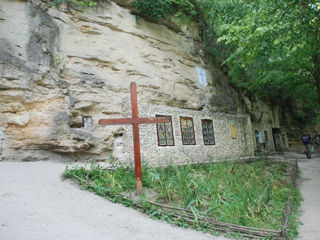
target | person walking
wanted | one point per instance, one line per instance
(306, 140)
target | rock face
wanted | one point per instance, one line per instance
(58, 65)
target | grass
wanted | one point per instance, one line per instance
(249, 194)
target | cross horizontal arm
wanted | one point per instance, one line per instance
(132, 121)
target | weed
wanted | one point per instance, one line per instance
(58, 59)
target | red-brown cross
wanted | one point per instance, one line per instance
(134, 121)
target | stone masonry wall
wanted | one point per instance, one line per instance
(225, 146)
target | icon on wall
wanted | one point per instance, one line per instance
(87, 121)
(202, 76)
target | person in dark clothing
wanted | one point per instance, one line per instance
(306, 140)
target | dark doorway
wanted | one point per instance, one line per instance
(276, 133)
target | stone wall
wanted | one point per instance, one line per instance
(58, 65)
(225, 146)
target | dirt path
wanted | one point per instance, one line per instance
(36, 205)
(310, 189)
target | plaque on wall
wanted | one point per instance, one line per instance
(233, 131)
(202, 76)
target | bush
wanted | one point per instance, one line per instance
(179, 11)
(81, 4)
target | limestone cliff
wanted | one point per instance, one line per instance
(58, 65)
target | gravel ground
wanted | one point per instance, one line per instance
(35, 204)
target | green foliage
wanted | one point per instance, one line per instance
(247, 194)
(154, 8)
(80, 4)
(179, 11)
(271, 48)
(58, 59)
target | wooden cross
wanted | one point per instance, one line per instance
(134, 121)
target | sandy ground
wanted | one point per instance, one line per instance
(310, 189)
(35, 204)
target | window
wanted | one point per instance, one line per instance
(233, 132)
(187, 131)
(165, 133)
(207, 132)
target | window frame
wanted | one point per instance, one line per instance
(194, 137)
(158, 137)
(214, 139)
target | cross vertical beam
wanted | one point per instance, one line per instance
(136, 137)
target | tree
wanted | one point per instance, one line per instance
(273, 46)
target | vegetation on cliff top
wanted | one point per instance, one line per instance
(178, 11)
(81, 4)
